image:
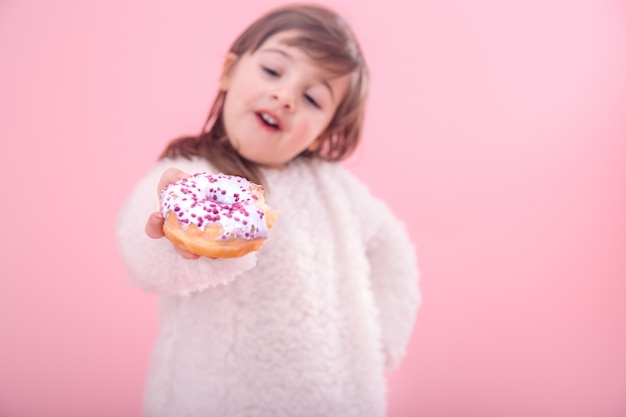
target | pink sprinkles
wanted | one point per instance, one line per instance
(210, 199)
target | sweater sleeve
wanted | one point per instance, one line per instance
(394, 273)
(152, 264)
(394, 277)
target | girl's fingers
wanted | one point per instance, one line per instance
(154, 230)
(154, 225)
(170, 176)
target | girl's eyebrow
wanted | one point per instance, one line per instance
(287, 55)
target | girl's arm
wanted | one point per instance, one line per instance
(394, 273)
(153, 263)
(394, 279)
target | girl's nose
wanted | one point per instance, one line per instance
(284, 98)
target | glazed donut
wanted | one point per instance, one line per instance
(216, 215)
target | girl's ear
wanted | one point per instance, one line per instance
(227, 70)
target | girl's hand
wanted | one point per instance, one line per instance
(154, 225)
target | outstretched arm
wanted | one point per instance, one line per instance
(153, 263)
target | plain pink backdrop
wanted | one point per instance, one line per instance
(496, 130)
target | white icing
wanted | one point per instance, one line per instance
(216, 199)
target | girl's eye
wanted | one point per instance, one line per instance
(270, 71)
(311, 100)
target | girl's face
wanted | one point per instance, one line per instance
(278, 101)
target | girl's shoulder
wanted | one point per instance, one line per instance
(337, 172)
(336, 176)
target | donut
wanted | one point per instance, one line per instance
(216, 215)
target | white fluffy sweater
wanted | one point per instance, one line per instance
(303, 327)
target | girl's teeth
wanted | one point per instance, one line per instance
(269, 119)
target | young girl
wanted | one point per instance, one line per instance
(305, 325)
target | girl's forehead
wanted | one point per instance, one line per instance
(285, 44)
(282, 49)
(282, 40)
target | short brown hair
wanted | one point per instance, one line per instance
(327, 39)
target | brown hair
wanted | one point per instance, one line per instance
(327, 39)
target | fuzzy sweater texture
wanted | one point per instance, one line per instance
(303, 327)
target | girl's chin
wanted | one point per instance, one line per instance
(264, 163)
(267, 164)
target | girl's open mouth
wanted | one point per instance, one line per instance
(268, 120)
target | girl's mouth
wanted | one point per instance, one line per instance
(268, 120)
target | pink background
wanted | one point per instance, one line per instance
(497, 130)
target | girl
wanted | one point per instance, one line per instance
(306, 325)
